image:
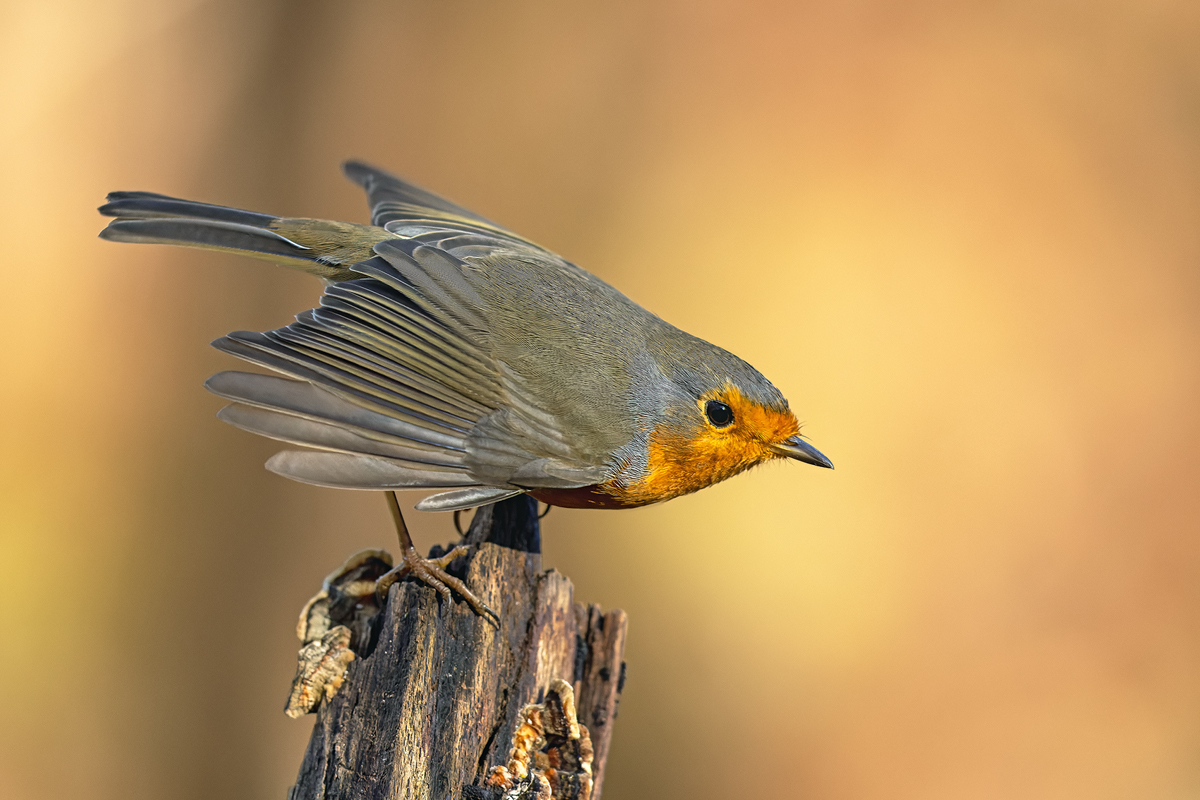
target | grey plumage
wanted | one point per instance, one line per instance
(446, 352)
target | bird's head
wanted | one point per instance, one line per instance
(718, 417)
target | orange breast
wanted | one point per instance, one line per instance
(681, 462)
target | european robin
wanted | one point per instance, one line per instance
(450, 353)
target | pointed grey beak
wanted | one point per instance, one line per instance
(797, 448)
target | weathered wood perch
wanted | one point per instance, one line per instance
(430, 706)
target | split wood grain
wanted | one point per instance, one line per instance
(433, 706)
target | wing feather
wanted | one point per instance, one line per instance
(340, 437)
(408, 210)
(437, 278)
(353, 471)
(466, 498)
(302, 398)
(405, 345)
(282, 358)
(380, 380)
(393, 378)
(390, 196)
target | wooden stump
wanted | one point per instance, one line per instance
(431, 705)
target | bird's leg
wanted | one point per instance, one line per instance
(430, 571)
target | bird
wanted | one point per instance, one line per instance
(450, 353)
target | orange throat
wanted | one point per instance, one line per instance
(681, 462)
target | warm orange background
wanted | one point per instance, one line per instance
(963, 237)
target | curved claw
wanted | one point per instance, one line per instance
(432, 573)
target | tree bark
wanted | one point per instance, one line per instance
(431, 705)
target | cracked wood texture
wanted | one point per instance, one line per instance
(432, 707)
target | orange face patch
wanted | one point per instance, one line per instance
(683, 461)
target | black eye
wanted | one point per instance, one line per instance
(718, 413)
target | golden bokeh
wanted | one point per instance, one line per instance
(962, 238)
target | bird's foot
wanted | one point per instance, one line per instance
(432, 573)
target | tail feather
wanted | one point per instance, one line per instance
(149, 205)
(210, 234)
(322, 248)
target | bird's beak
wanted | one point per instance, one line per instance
(797, 448)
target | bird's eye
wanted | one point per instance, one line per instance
(718, 413)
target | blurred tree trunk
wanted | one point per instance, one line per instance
(433, 706)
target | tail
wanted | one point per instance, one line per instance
(315, 246)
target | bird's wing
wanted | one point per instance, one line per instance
(390, 196)
(408, 210)
(392, 380)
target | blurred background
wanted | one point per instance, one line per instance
(962, 238)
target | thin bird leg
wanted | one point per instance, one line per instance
(430, 571)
